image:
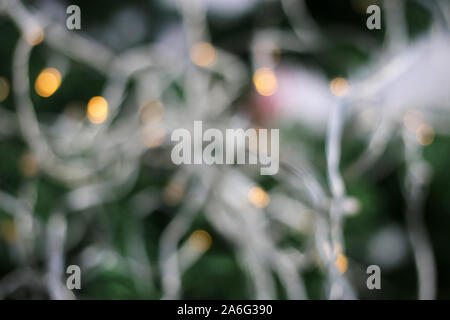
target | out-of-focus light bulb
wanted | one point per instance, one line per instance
(258, 197)
(265, 81)
(339, 87)
(341, 263)
(200, 241)
(97, 110)
(203, 54)
(425, 134)
(47, 82)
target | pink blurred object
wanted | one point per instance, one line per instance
(303, 95)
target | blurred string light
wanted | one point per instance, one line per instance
(203, 54)
(4, 89)
(47, 82)
(97, 110)
(200, 241)
(151, 111)
(425, 134)
(339, 87)
(265, 81)
(28, 165)
(341, 263)
(258, 197)
(35, 36)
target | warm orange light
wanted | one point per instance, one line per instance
(258, 197)
(97, 110)
(203, 54)
(4, 89)
(200, 241)
(47, 82)
(425, 134)
(341, 263)
(265, 81)
(339, 87)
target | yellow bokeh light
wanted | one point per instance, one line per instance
(425, 134)
(203, 54)
(151, 111)
(200, 241)
(47, 82)
(339, 87)
(97, 110)
(413, 119)
(265, 81)
(341, 263)
(258, 197)
(35, 36)
(4, 89)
